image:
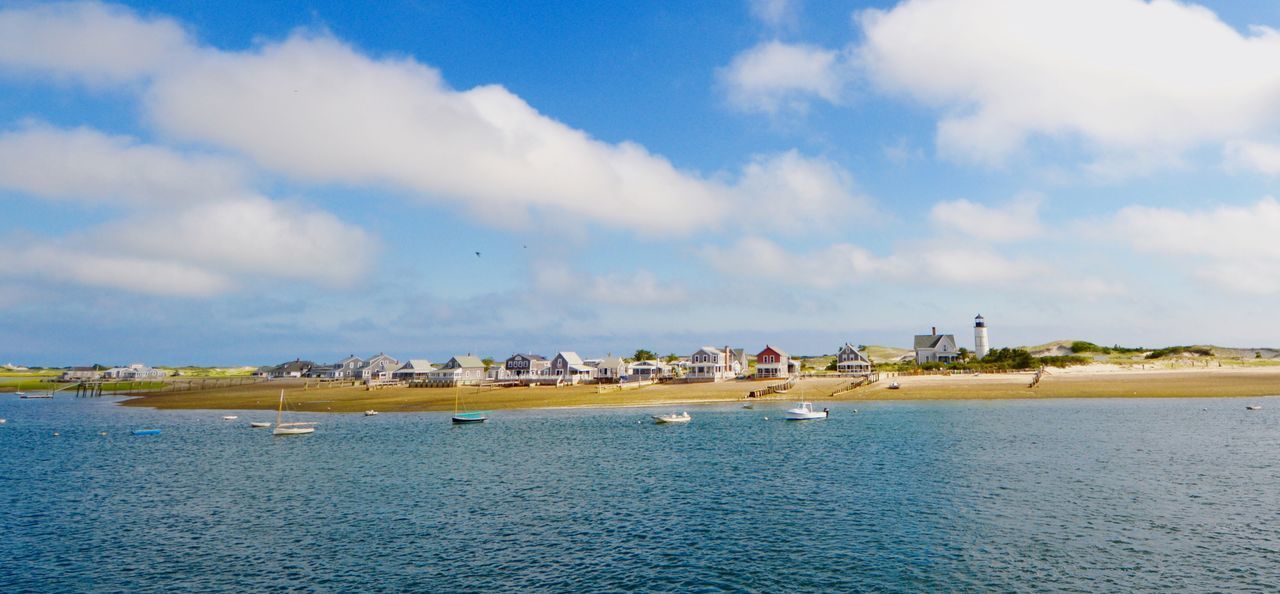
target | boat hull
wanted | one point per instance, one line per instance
(293, 430)
(259, 425)
(805, 416)
(463, 419)
(672, 419)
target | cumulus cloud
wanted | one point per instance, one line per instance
(99, 43)
(1233, 247)
(86, 165)
(1018, 220)
(319, 111)
(203, 250)
(1124, 76)
(790, 192)
(316, 109)
(775, 77)
(180, 224)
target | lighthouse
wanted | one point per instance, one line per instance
(980, 344)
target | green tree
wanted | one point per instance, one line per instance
(832, 366)
(644, 355)
(488, 362)
(671, 358)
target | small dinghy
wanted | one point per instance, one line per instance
(35, 395)
(146, 432)
(1253, 407)
(895, 386)
(3, 421)
(748, 406)
(230, 418)
(260, 424)
(370, 413)
(804, 412)
(672, 418)
(463, 418)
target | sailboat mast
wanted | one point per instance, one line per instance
(280, 410)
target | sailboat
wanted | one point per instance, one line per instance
(465, 417)
(289, 428)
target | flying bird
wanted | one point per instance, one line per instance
(477, 254)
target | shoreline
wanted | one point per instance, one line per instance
(1071, 383)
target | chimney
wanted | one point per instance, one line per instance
(935, 330)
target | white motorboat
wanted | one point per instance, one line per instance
(672, 418)
(749, 406)
(259, 424)
(1253, 407)
(230, 417)
(804, 412)
(370, 413)
(289, 428)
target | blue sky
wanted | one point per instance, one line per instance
(186, 183)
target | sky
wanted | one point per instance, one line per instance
(187, 183)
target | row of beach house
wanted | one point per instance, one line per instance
(707, 364)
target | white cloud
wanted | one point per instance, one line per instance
(1233, 247)
(87, 165)
(1016, 221)
(1257, 156)
(203, 250)
(790, 192)
(317, 110)
(1124, 76)
(774, 77)
(99, 43)
(775, 14)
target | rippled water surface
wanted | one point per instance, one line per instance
(1065, 495)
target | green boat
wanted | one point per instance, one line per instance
(465, 417)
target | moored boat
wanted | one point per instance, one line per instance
(1253, 407)
(230, 417)
(370, 413)
(469, 417)
(289, 428)
(682, 417)
(146, 432)
(259, 424)
(35, 395)
(804, 412)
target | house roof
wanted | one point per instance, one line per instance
(612, 361)
(295, 366)
(570, 357)
(775, 349)
(856, 353)
(711, 350)
(580, 368)
(529, 356)
(930, 341)
(469, 361)
(416, 365)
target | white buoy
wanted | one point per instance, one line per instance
(766, 418)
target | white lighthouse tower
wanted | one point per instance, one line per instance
(980, 344)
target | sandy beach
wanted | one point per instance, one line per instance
(1095, 381)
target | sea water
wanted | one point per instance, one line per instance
(1055, 495)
